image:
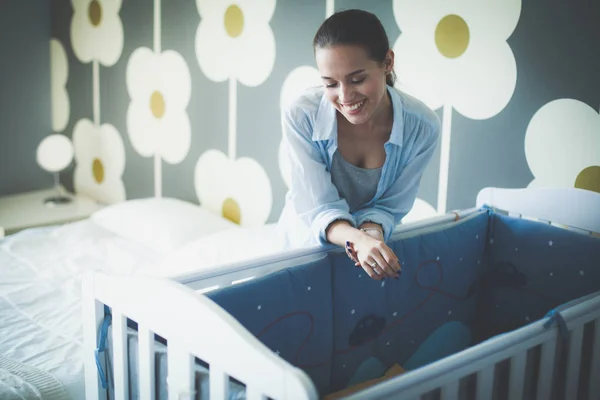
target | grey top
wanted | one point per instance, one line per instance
(356, 185)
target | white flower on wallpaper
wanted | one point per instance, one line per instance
(420, 210)
(234, 39)
(159, 85)
(55, 152)
(455, 52)
(455, 55)
(562, 145)
(97, 31)
(100, 161)
(296, 82)
(239, 190)
(59, 74)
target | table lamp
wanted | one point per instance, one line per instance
(54, 154)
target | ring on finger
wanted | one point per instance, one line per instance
(376, 268)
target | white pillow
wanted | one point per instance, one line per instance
(220, 248)
(163, 224)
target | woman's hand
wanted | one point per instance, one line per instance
(375, 257)
(366, 248)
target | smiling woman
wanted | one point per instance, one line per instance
(357, 147)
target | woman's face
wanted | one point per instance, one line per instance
(354, 83)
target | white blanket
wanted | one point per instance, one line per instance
(21, 382)
(40, 294)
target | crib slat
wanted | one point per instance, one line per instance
(595, 367)
(146, 363)
(253, 394)
(180, 369)
(219, 383)
(573, 362)
(485, 383)
(450, 391)
(544, 384)
(516, 382)
(120, 361)
(93, 314)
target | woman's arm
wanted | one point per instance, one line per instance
(315, 199)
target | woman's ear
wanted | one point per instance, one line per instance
(389, 61)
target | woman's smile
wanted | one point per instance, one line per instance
(353, 108)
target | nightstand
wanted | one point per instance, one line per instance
(28, 210)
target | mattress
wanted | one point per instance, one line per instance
(41, 271)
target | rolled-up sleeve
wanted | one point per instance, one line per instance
(314, 197)
(398, 199)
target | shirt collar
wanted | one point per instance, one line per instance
(326, 122)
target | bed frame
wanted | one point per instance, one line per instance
(268, 376)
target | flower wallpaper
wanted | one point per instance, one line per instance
(182, 98)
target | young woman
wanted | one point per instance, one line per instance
(357, 147)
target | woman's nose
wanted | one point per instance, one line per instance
(345, 94)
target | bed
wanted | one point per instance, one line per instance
(41, 270)
(498, 301)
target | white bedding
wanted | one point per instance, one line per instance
(217, 249)
(40, 280)
(40, 299)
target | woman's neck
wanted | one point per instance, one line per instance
(380, 123)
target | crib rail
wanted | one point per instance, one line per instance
(194, 327)
(571, 207)
(541, 363)
(229, 274)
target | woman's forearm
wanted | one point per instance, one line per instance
(339, 232)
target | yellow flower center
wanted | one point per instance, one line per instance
(234, 21)
(95, 12)
(452, 36)
(231, 210)
(157, 104)
(589, 179)
(98, 170)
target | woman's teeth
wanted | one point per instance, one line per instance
(354, 106)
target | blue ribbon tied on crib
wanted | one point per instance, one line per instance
(102, 345)
(555, 317)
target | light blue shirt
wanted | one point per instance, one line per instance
(310, 140)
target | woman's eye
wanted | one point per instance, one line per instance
(356, 82)
(330, 85)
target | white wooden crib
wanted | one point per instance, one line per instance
(194, 327)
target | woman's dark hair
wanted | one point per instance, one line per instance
(355, 27)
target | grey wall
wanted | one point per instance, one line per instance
(24, 93)
(555, 46)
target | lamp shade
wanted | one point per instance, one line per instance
(55, 153)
